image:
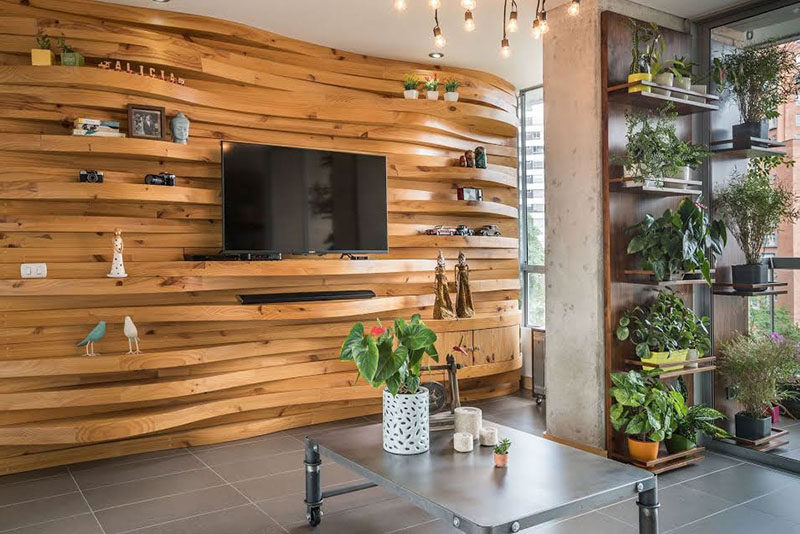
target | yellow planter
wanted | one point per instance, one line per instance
(639, 76)
(675, 356)
(41, 57)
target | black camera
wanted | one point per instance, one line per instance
(162, 178)
(92, 177)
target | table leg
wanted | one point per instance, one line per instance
(313, 499)
(648, 511)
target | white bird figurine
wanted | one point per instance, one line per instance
(132, 334)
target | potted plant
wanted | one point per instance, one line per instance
(698, 418)
(645, 410)
(69, 57)
(753, 206)
(689, 157)
(42, 56)
(501, 453)
(756, 367)
(759, 79)
(410, 84)
(451, 88)
(676, 243)
(663, 74)
(682, 67)
(432, 87)
(398, 367)
(698, 340)
(646, 39)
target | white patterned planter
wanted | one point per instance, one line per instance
(405, 422)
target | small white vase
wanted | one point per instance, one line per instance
(405, 422)
(683, 83)
(685, 174)
(411, 94)
(691, 355)
(469, 420)
(699, 88)
(432, 95)
(666, 79)
(451, 96)
(462, 442)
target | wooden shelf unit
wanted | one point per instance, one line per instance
(689, 367)
(773, 441)
(662, 186)
(665, 462)
(643, 277)
(755, 147)
(649, 100)
(749, 290)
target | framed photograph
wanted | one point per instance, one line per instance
(147, 122)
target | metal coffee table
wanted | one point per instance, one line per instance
(543, 481)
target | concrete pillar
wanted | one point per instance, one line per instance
(575, 358)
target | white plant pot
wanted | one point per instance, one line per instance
(691, 355)
(451, 96)
(432, 95)
(411, 94)
(684, 174)
(405, 422)
(699, 88)
(666, 79)
(683, 83)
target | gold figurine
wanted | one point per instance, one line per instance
(463, 293)
(443, 307)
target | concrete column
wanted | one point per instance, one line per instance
(575, 358)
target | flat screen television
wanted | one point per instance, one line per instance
(280, 200)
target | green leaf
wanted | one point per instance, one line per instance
(622, 333)
(643, 351)
(393, 384)
(353, 342)
(367, 359)
(389, 362)
(412, 383)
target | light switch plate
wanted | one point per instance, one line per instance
(33, 270)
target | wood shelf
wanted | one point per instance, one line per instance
(773, 441)
(666, 462)
(649, 100)
(638, 187)
(643, 277)
(756, 147)
(749, 290)
(702, 365)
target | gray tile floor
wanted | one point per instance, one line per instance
(255, 486)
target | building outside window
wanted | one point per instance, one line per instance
(532, 208)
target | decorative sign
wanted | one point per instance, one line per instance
(141, 70)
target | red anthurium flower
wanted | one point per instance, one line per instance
(377, 331)
(700, 205)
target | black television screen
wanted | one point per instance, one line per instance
(300, 201)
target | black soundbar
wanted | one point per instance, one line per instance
(272, 298)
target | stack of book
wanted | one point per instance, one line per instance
(97, 128)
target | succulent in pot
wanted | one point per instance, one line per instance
(451, 90)
(759, 79)
(410, 84)
(753, 206)
(69, 57)
(381, 361)
(678, 242)
(644, 409)
(42, 55)
(501, 453)
(432, 87)
(757, 367)
(646, 40)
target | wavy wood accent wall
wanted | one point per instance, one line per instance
(214, 370)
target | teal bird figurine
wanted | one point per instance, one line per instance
(97, 333)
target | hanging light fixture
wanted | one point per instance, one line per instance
(537, 29)
(505, 47)
(435, 4)
(574, 7)
(513, 23)
(469, 5)
(438, 38)
(400, 5)
(543, 22)
(469, 22)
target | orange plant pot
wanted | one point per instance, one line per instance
(500, 460)
(644, 451)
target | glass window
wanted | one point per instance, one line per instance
(532, 208)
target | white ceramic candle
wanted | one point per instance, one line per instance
(468, 419)
(462, 441)
(488, 436)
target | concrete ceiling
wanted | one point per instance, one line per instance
(372, 27)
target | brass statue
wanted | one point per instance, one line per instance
(464, 307)
(443, 307)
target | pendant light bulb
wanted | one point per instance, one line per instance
(469, 22)
(574, 7)
(435, 4)
(513, 23)
(537, 29)
(543, 23)
(400, 5)
(505, 49)
(469, 5)
(438, 38)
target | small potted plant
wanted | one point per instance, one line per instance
(410, 84)
(42, 56)
(753, 206)
(663, 74)
(682, 68)
(646, 39)
(756, 367)
(676, 243)
(645, 410)
(397, 366)
(69, 57)
(689, 157)
(432, 87)
(759, 79)
(451, 88)
(693, 420)
(501, 453)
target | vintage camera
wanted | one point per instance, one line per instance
(474, 194)
(162, 178)
(91, 177)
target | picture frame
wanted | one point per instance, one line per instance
(147, 122)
